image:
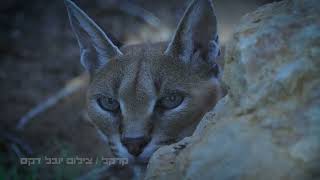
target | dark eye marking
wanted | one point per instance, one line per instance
(171, 101)
(108, 103)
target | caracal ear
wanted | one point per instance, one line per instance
(196, 34)
(95, 47)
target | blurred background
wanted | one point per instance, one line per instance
(39, 53)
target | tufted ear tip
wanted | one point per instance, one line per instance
(196, 32)
(96, 48)
(70, 5)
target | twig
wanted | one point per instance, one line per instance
(135, 10)
(17, 151)
(71, 87)
(14, 141)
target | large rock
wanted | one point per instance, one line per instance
(268, 126)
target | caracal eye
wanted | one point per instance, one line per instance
(171, 101)
(108, 103)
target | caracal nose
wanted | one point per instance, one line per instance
(135, 145)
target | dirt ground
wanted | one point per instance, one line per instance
(39, 54)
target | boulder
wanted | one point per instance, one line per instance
(268, 126)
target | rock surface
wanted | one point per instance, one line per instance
(268, 126)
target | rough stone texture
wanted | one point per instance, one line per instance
(268, 126)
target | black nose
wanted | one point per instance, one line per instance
(135, 145)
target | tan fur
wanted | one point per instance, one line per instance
(132, 79)
(138, 77)
(135, 80)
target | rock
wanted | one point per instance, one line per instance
(268, 126)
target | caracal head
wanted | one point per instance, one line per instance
(146, 96)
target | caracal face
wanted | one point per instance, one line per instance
(145, 96)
